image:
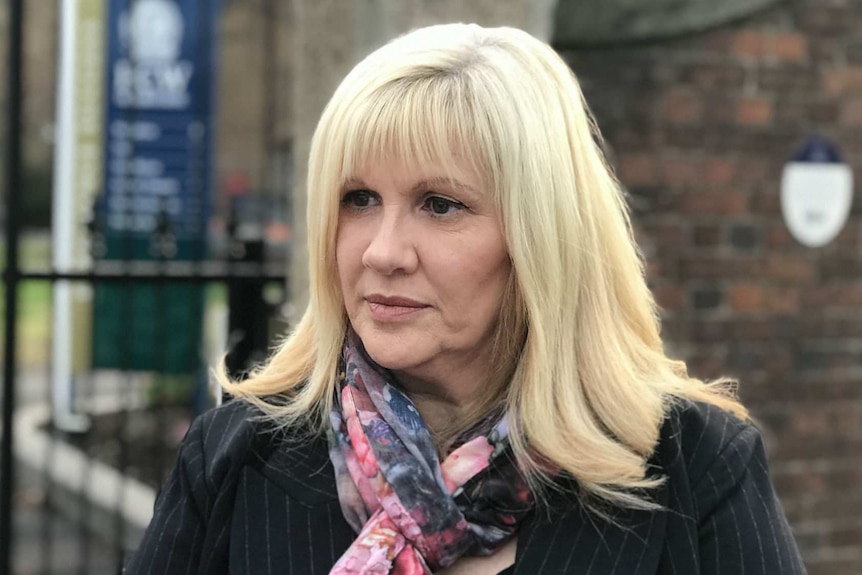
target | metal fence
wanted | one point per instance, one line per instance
(76, 502)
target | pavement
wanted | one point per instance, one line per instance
(48, 542)
(65, 506)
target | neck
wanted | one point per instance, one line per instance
(448, 409)
(441, 406)
(452, 382)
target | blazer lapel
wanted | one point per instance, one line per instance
(565, 540)
(301, 469)
(575, 542)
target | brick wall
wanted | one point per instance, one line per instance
(700, 129)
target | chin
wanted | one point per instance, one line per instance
(391, 351)
(389, 358)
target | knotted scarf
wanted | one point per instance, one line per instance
(414, 514)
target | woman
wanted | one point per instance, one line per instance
(478, 384)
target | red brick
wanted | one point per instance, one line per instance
(840, 81)
(826, 506)
(755, 329)
(681, 172)
(834, 296)
(719, 171)
(711, 77)
(850, 113)
(782, 300)
(784, 79)
(746, 298)
(706, 235)
(764, 203)
(749, 44)
(717, 40)
(794, 387)
(708, 362)
(642, 232)
(670, 297)
(848, 237)
(843, 266)
(800, 482)
(669, 235)
(833, 562)
(801, 445)
(809, 423)
(754, 111)
(754, 170)
(763, 88)
(638, 169)
(779, 236)
(654, 269)
(720, 267)
(714, 203)
(789, 268)
(848, 535)
(788, 47)
(824, 424)
(791, 112)
(823, 112)
(833, 327)
(778, 360)
(682, 107)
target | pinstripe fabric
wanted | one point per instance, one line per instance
(244, 501)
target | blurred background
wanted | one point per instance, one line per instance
(153, 159)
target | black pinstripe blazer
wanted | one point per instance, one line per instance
(245, 501)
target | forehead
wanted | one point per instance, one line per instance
(454, 173)
(415, 153)
(421, 125)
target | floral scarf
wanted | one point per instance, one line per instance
(414, 514)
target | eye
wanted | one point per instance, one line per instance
(440, 206)
(358, 199)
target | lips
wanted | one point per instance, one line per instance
(391, 308)
(394, 301)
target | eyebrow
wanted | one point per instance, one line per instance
(353, 182)
(440, 181)
(444, 182)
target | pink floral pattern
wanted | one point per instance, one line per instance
(414, 514)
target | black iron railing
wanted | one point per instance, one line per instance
(11, 276)
(243, 279)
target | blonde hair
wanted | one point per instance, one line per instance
(589, 384)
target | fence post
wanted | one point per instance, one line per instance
(11, 275)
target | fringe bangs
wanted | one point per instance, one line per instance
(418, 122)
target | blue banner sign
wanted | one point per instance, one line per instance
(158, 133)
(156, 199)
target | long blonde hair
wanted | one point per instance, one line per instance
(589, 384)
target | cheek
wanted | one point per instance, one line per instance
(476, 280)
(491, 262)
(496, 279)
(495, 274)
(348, 255)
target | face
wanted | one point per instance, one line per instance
(423, 267)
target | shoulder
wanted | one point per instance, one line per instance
(718, 483)
(698, 433)
(240, 428)
(225, 429)
(706, 452)
(222, 440)
(237, 436)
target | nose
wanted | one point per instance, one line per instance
(392, 248)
